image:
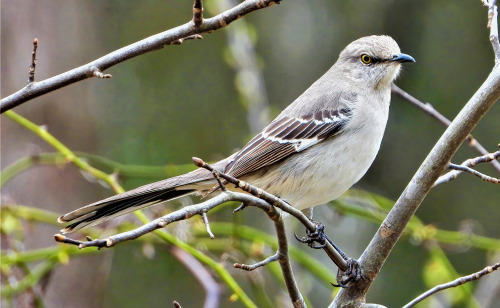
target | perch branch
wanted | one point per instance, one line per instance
(433, 113)
(333, 253)
(455, 283)
(152, 43)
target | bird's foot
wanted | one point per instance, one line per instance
(350, 276)
(318, 236)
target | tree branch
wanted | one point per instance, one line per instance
(152, 43)
(465, 167)
(438, 159)
(493, 26)
(455, 283)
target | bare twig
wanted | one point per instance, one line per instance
(97, 73)
(465, 166)
(429, 109)
(493, 26)
(182, 214)
(149, 44)
(282, 256)
(251, 267)
(203, 276)
(207, 225)
(483, 177)
(455, 283)
(392, 227)
(181, 40)
(198, 13)
(334, 255)
(31, 75)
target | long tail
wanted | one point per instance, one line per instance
(138, 198)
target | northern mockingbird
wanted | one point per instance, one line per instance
(313, 151)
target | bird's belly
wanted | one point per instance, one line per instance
(309, 181)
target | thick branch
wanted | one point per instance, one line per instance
(438, 159)
(149, 44)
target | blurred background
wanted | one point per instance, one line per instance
(207, 98)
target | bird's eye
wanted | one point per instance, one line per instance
(366, 59)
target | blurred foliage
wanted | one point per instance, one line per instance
(162, 108)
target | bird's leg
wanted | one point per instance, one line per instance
(344, 278)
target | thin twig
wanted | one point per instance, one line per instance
(483, 177)
(251, 267)
(433, 113)
(97, 73)
(181, 214)
(465, 166)
(149, 44)
(493, 26)
(455, 283)
(282, 255)
(31, 75)
(197, 13)
(181, 40)
(207, 225)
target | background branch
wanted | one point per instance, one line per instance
(152, 43)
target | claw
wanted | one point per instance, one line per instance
(318, 236)
(351, 275)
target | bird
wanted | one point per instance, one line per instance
(310, 154)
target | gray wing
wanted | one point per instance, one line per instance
(286, 136)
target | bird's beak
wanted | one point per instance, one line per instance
(402, 58)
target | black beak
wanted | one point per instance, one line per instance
(402, 58)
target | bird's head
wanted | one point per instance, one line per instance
(374, 61)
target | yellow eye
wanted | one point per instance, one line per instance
(366, 59)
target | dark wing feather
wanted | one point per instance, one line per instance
(286, 136)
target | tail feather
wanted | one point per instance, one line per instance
(138, 198)
(119, 207)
